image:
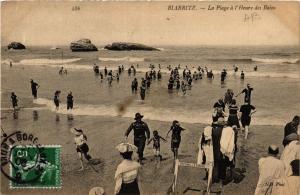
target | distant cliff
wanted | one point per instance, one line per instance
(16, 45)
(83, 45)
(123, 46)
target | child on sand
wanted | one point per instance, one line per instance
(156, 144)
(82, 148)
(176, 137)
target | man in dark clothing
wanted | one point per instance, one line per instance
(159, 75)
(143, 89)
(119, 69)
(247, 91)
(70, 101)
(56, 99)
(141, 133)
(255, 68)
(34, 87)
(242, 75)
(134, 85)
(292, 127)
(219, 170)
(14, 100)
(105, 71)
(246, 113)
(223, 75)
(176, 137)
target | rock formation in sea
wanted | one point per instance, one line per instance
(83, 45)
(16, 45)
(124, 46)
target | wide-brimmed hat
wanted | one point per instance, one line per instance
(273, 149)
(96, 191)
(207, 132)
(221, 121)
(126, 147)
(175, 122)
(291, 137)
(76, 131)
(138, 116)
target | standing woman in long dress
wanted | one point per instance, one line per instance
(126, 175)
(233, 117)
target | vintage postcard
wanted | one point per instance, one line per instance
(150, 97)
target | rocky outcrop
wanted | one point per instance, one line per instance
(123, 46)
(16, 45)
(83, 45)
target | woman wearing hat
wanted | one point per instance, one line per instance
(205, 154)
(81, 147)
(291, 151)
(271, 169)
(127, 171)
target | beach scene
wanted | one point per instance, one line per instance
(103, 103)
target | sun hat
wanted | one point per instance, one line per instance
(291, 137)
(76, 131)
(273, 149)
(138, 116)
(221, 121)
(96, 191)
(126, 147)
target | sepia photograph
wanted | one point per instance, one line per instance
(150, 97)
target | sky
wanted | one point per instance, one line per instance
(151, 23)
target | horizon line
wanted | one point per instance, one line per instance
(164, 45)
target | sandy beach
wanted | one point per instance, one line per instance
(153, 180)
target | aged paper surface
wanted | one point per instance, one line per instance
(69, 95)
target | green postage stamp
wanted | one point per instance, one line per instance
(35, 166)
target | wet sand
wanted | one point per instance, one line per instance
(104, 133)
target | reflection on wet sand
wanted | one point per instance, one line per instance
(35, 115)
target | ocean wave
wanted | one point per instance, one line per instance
(231, 59)
(260, 60)
(154, 113)
(275, 54)
(86, 67)
(161, 49)
(277, 60)
(266, 74)
(48, 61)
(129, 59)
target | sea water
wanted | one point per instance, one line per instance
(276, 83)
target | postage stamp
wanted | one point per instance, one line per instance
(36, 167)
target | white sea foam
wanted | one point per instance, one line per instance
(151, 113)
(267, 74)
(84, 67)
(276, 61)
(46, 61)
(161, 49)
(128, 59)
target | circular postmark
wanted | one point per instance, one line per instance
(21, 155)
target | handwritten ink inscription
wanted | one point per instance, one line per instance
(251, 17)
(76, 8)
